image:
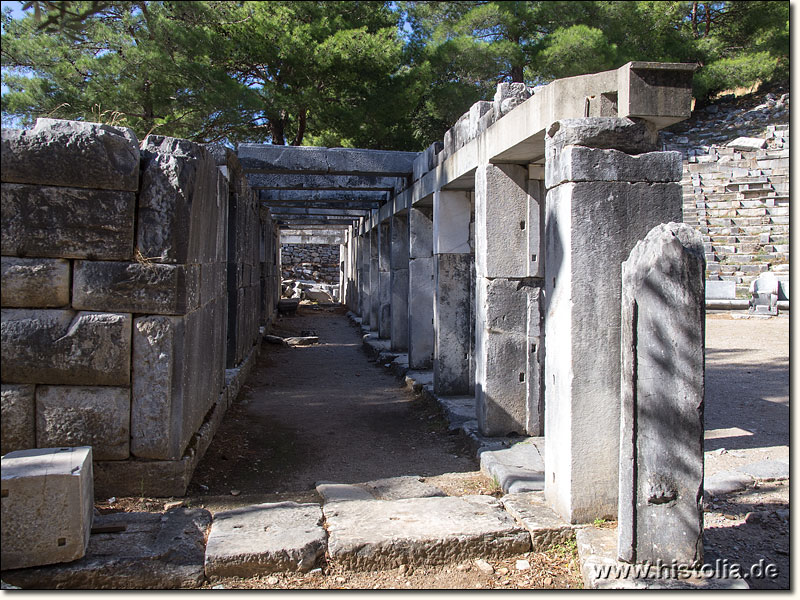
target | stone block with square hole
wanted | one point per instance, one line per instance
(47, 506)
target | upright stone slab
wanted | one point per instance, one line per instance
(661, 429)
(374, 281)
(420, 289)
(363, 278)
(591, 227)
(47, 506)
(384, 281)
(399, 302)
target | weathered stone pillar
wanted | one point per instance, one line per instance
(374, 280)
(661, 430)
(508, 321)
(420, 288)
(602, 197)
(399, 282)
(452, 213)
(363, 277)
(384, 281)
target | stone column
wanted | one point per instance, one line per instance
(661, 429)
(605, 190)
(399, 283)
(363, 277)
(507, 344)
(420, 288)
(452, 212)
(384, 281)
(374, 280)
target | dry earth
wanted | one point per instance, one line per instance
(324, 412)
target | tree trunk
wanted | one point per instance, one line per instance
(277, 129)
(516, 73)
(301, 127)
(695, 33)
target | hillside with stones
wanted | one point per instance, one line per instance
(736, 183)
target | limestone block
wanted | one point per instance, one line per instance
(149, 288)
(34, 282)
(535, 228)
(18, 424)
(65, 222)
(452, 324)
(265, 538)
(452, 212)
(96, 416)
(65, 347)
(385, 309)
(426, 160)
(71, 154)
(48, 505)
(632, 136)
(534, 424)
(508, 96)
(577, 163)
(747, 143)
(501, 221)
(399, 309)
(420, 228)
(662, 381)
(178, 204)
(420, 312)
(476, 113)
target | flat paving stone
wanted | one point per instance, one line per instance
(341, 492)
(131, 551)
(265, 538)
(457, 409)
(373, 534)
(767, 470)
(547, 529)
(726, 482)
(417, 380)
(400, 488)
(597, 551)
(519, 468)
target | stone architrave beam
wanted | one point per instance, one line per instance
(322, 212)
(302, 181)
(317, 160)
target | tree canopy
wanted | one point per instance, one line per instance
(369, 74)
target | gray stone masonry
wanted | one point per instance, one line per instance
(399, 283)
(384, 281)
(47, 508)
(374, 281)
(451, 360)
(35, 282)
(17, 419)
(661, 426)
(590, 229)
(420, 289)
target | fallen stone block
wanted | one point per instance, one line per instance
(131, 551)
(17, 421)
(726, 482)
(58, 222)
(265, 538)
(72, 153)
(35, 282)
(65, 347)
(547, 529)
(519, 468)
(767, 470)
(47, 507)
(747, 143)
(96, 416)
(373, 534)
(302, 341)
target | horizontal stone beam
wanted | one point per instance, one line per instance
(306, 221)
(322, 196)
(311, 236)
(327, 212)
(360, 206)
(332, 161)
(294, 181)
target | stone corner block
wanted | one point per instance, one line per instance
(73, 154)
(47, 507)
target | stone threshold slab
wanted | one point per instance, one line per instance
(518, 468)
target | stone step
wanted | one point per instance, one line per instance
(547, 528)
(519, 468)
(375, 534)
(390, 488)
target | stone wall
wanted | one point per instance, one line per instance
(736, 186)
(313, 262)
(115, 302)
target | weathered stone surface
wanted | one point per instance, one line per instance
(451, 360)
(767, 470)
(632, 136)
(72, 154)
(508, 96)
(178, 206)
(325, 160)
(65, 347)
(152, 551)
(373, 534)
(149, 288)
(726, 482)
(534, 404)
(420, 313)
(96, 416)
(426, 160)
(452, 212)
(501, 221)
(265, 538)
(17, 420)
(47, 507)
(547, 529)
(535, 227)
(342, 492)
(661, 427)
(420, 232)
(518, 468)
(34, 282)
(155, 478)
(399, 488)
(747, 143)
(46, 221)
(578, 163)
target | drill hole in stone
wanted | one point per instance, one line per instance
(533, 258)
(522, 225)
(521, 377)
(62, 541)
(3, 493)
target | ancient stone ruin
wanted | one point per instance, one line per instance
(532, 261)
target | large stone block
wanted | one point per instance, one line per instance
(65, 347)
(96, 416)
(34, 282)
(178, 205)
(452, 213)
(452, 325)
(661, 429)
(420, 313)
(420, 230)
(47, 506)
(140, 287)
(535, 227)
(399, 310)
(501, 221)
(632, 136)
(65, 222)
(536, 351)
(385, 309)
(18, 425)
(71, 154)
(578, 163)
